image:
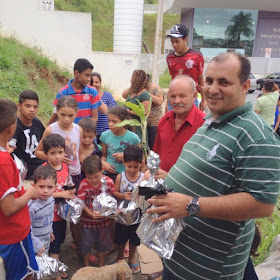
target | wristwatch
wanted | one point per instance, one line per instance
(193, 207)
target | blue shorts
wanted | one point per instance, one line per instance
(100, 237)
(59, 231)
(19, 259)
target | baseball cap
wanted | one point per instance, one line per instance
(178, 31)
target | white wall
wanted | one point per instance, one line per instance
(65, 36)
(116, 69)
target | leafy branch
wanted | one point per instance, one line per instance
(139, 110)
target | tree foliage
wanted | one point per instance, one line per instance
(241, 24)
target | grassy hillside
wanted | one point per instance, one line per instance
(149, 28)
(23, 68)
(102, 14)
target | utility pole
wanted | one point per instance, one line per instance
(158, 39)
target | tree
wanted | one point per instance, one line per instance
(241, 24)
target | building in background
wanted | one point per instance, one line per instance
(249, 27)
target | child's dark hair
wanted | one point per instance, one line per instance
(53, 141)
(91, 165)
(88, 125)
(120, 112)
(133, 153)
(8, 114)
(82, 64)
(67, 101)
(44, 172)
(95, 74)
(28, 94)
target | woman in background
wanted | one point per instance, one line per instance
(138, 91)
(107, 99)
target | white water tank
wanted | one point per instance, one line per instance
(128, 25)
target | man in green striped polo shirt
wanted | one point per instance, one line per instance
(227, 175)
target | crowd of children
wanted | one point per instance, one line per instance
(64, 154)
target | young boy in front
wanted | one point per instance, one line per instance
(89, 134)
(29, 131)
(54, 148)
(41, 209)
(15, 241)
(125, 184)
(96, 229)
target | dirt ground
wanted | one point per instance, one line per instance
(67, 257)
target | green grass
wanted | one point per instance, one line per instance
(164, 79)
(22, 67)
(102, 14)
(269, 228)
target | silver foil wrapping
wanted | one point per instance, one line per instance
(21, 167)
(129, 213)
(104, 203)
(49, 266)
(71, 210)
(160, 237)
(153, 162)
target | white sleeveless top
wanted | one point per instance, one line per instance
(128, 186)
(72, 146)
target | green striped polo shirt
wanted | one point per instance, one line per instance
(236, 153)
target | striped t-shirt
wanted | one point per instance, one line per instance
(102, 123)
(88, 99)
(236, 153)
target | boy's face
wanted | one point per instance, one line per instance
(44, 188)
(132, 167)
(94, 179)
(28, 109)
(88, 137)
(82, 78)
(179, 44)
(55, 155)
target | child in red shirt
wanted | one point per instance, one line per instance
(15, 241)
(54, 148)
(96, 229)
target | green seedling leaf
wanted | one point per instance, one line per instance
(137, 109)
(131, 122)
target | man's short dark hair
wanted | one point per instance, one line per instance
(28, 94)
(82, 64)
(44, 172)
(245, 65)
(8, 114)
(88, 125)
(133, 153)
(53, 141)
(92, 164)
(268, 86)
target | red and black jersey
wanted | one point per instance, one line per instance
(190, 63)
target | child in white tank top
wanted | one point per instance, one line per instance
(124, 185)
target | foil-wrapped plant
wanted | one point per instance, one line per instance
(104, 203)
(49, 266)
(71, 209)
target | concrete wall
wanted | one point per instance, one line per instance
(64, 37)
(115, 69)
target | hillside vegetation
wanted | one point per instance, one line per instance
(102, 14)
(23, 68)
